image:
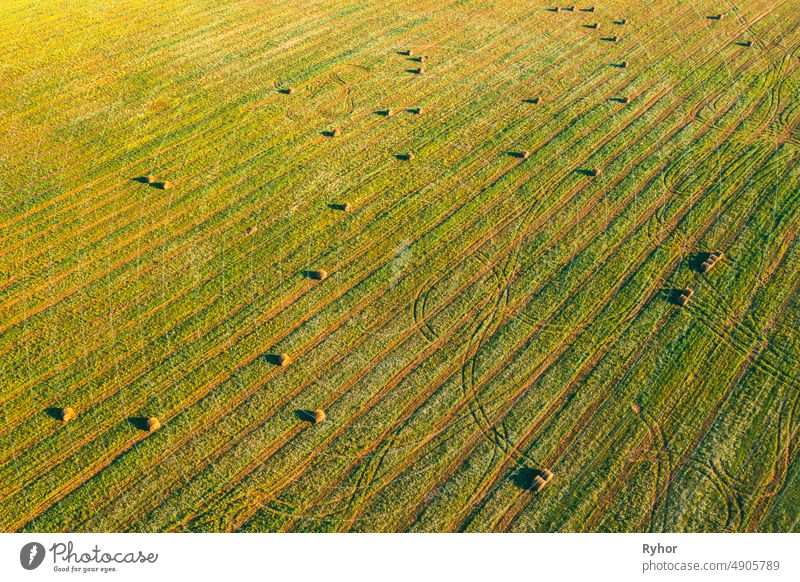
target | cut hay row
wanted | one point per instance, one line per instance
(297, 327)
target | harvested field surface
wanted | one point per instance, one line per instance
(286, 278)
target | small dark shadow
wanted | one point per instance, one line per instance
(714, 16)
(673, 296)
(140, 179)
(523, 477)
(403, 157)
(619, 65)
(285, 91)
(158, 185)
(53, 413)
(309, 274)
(414, 71)
(586, 172)
(610, 38)
(519, 155)
(551, 9)
(592, 26)
(383, 112)
(328, 133)
(305, 415)
(534, 101)
(420, 59)
(590, 9)
(405, 53)
(618, 99)
(414, 110)
(138, 422)
(335, 206)
(273, 359)
(620, 22)
(744, 43)
(696, 261)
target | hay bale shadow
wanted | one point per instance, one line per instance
(337, 206)
(552, 10)
(285, 91)
(305, 415)
(673, 296)
(140, 180)
(273, 359)
(518, 155)
(403, 157)
(610, 38)
(619, 99)
(586, 172)
(53, 412)
(414, 71)
(619, 65)
(405, 53)
(329, 133)
(139, 423)
(383, 112)
(523, 477)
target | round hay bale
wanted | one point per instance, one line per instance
(418, 111)
(336, 132)
(67, 414)
(347, 207)
(166, 185)
(150, 179)
(389, 112)
(319, 275)
(153, 424)
(290, 91)
(284, 360)
(319, 416)
(252, 229)
(636, 408)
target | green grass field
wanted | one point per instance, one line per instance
(492, 307)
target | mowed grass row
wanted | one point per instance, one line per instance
(229, 416)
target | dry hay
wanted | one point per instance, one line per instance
(150, 179)
(319, 416)
(67, 414)
(153, 424)
(416, 111)
(712, 259)
(290, 91)
(252, 229)
(636, 408)
(166, 185)
(524, 154)
(347, 207)
(624, 64)
(284, 360)
(594, 172)
(319, 275)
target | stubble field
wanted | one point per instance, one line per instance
(502, 301)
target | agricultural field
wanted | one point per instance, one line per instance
(418, 265)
